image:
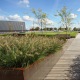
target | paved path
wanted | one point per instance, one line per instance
(68, 66)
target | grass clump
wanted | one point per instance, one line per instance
(23, 51)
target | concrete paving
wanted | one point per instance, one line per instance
(68, 66)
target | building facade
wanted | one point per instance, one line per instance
(12, 26)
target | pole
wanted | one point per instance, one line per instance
(41, 27)
(33, 25)
(66, 32)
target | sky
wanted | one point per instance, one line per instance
(20, 10)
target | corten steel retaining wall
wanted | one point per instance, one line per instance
(42, 66)
(6, 74)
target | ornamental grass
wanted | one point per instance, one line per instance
(17, 52)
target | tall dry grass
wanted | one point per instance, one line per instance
(22, 51)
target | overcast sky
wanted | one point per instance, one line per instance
(20, 10)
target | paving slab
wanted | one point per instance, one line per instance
(57, 78)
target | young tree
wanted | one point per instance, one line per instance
(41, 16)
(65, 16)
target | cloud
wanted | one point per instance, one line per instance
(78, 9)
(24, 3)
(2, 17)
(15, 17)
(27, 18)
(35, 25)
(73, 15)
(47, 21)
(50, 22)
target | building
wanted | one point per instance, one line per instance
(12, 26)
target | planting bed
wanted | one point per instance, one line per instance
(16, 53)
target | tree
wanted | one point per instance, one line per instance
(37, 28)
(32, 29)
(41, 16)
(51, 29)
(65, 16)
(55, 28)
(48, 29)
(59, 28)
(75, 29)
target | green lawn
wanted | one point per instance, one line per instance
(47, 33)
(51, 33)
